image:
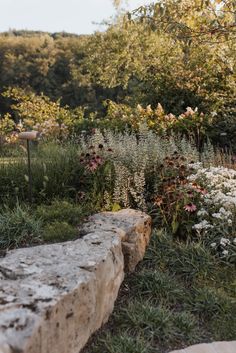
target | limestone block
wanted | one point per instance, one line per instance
(133, 227)
(53, 297)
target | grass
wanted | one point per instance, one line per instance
(55, 172)
(19, 227)
(179, 295)
(56, 222)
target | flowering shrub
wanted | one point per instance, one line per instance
(97, 174)
(192, 123)
(216, 217)
(198, 204)
(177, 199)
(134, 162)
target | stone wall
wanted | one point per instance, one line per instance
(53, 297)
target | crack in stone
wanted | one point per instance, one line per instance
(9, 274)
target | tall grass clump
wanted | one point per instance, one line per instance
(19, 227)
(55, 172)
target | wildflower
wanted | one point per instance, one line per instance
(213, 245)
(98, 160)
(225, 252)
(92, 166)
(100, 146)
(202, 212)
(158, 200)
(190, 194)
(224, 241)
(203, 191)
(202, 225)
(190, 207)
(217, 215)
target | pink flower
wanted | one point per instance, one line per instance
(190, 194)
(92, 166)
(203, 191)
(190, 207)
(99, 160)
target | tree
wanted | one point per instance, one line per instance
(188, 20)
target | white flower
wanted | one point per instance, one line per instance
(202, 225)
(213, 245)
(217, 215)
(225, 252)
(202, 212)
(230, 222)
(224, 241)
(224, 212)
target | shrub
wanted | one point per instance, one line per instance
(136, 160)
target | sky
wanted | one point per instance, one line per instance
(73, 16)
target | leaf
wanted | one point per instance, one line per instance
(116, 207)
(174, 226)
(26, 178)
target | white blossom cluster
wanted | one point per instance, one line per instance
(217, 217)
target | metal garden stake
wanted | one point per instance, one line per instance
(29, 136)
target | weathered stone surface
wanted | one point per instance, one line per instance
(133, 227)
(53, 297)
(215, 347)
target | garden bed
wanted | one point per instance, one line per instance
(184, 293)
(180, 295)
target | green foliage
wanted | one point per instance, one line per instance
(148, 312)
(159, 286)
(39, 113)
(191, 261)
(123, 343)
(19, 227)
(55, 172)
(63, 211)
(59, 231)
(164, 55)
(154, 321)
(211, 303)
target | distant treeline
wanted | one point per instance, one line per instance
(28, 33)
(133, 62)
